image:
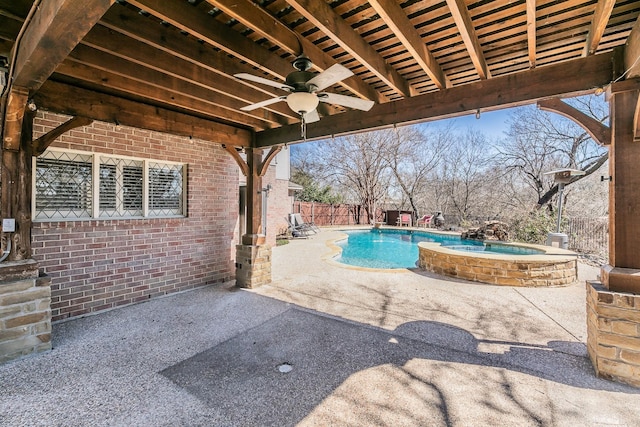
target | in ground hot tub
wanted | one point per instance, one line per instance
(550, 267)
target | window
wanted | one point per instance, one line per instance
(75, 185)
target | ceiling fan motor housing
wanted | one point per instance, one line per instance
(298, 80)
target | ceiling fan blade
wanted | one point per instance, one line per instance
(331, 75)
(312, 116)
(262, 103)
(346, 101)
(257, 79)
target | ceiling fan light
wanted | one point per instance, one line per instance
(302, 102)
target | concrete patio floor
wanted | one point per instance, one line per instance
(364, 348)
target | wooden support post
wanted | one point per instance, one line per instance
(623, 272)
(16, 183)
(253, 257)
(254, 235)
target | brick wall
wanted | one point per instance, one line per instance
(278, 205)
(100, 264)
(613, 333)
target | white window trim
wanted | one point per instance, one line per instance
(95, 172)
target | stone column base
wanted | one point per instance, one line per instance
(613, 333)
(25, 310)
(253, 265)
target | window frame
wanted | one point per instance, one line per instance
(95, 211)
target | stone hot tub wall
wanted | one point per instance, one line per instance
(553, 268)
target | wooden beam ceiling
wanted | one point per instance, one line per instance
(179, 57)
(330, 23)
(267, 26)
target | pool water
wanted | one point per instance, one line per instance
(399, 248)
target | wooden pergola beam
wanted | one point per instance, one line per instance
(74, 101)
(41, 144)
(261, 21)
(56, 28)
(460, 15)
(599, 22)
(531, 32)
(574, 77)
(598, 131)
(320, 14)
(395, 18)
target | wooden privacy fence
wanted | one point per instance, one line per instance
(328, 214)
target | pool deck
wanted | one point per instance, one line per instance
(366, 348)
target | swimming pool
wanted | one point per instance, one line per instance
(381, 248)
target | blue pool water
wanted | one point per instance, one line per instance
(399, 248)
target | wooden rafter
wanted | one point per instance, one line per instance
(208, 29)
(463, 21)
(258, 19)
(41, 144)
(598, 131)
(632, 52)
(571, 78)
(57, 27)
(598, 25)
(184, 87)
(531, 32)
(329, 22)
(75, 101)
(220, 67)
(395, 18)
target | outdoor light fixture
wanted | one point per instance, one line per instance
(302, 102)
(562, 177)
(478, 113)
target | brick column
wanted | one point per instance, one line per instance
(25, 310)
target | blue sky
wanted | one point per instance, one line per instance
(492, 124)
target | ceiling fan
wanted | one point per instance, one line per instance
(304, 87)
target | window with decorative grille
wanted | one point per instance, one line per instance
(75, 185)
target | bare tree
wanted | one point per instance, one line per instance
(413, 154)
(466, 176)
(539, 141)
(356, 164)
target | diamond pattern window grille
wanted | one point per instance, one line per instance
(165, 189)
(63, 186)
(84, 186)
(121, 185)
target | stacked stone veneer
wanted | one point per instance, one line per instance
(613, 333)
(253, 265)
(25, 313)
(494, 269)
